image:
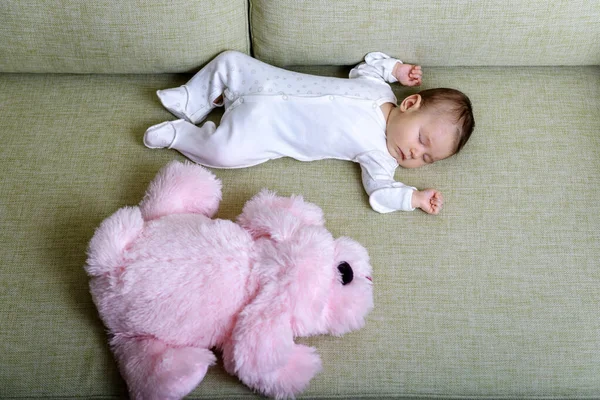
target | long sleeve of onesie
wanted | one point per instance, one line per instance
(385, 194)
(377, 65)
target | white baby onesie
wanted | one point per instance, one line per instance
(271, 113)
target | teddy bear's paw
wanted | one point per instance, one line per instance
(303, 365)
(156, 371)
(180, 370)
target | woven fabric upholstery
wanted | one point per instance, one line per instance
(495, 297)
(432, 33)
(106, 36)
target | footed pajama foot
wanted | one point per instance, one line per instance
(162, 135)
(159, 136)
(175, 100)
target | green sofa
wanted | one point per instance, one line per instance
(497, 297)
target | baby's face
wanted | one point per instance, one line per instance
(417, 137)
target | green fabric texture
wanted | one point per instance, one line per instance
(497, 297)
(431, 33)
(107, 36)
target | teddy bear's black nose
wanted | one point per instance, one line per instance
(347, 273)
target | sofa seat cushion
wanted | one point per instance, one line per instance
(498, 296)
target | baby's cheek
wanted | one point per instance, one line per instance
(411, 164)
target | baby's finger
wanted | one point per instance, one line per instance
(415, 80)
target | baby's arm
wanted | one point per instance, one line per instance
(386, 194)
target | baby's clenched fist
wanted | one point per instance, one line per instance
(408, 74)
(429, 200)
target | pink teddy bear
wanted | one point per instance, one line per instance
(170, 284)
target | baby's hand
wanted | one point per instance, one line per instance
(429, 200)
(408, 74)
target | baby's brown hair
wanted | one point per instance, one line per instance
(455, 103)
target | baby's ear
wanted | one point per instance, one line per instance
(267, 214)
(412, 102)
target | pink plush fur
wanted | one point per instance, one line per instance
(170, 284)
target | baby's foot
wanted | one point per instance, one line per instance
(175, 100)
(164, 134)
(160, 136)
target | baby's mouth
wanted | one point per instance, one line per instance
(402, 156)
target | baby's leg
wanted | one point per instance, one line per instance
(163, 135)
(203, 145)
(232, 74)
(234, 144)
(229, 70)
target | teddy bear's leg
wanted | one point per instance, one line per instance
(154, 370)
(181, 188)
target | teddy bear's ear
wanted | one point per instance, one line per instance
(267, 214)
(262, 352)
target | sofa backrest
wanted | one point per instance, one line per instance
(143, 36)
(429, 32)
(118, 36)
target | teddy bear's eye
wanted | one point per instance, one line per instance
(347, 273)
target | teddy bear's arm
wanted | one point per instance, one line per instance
(262, 352)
